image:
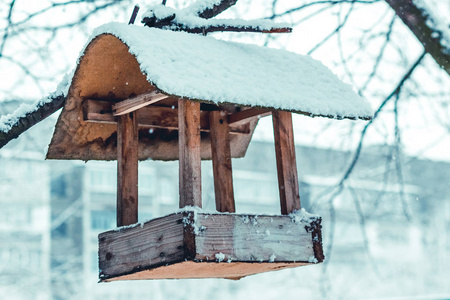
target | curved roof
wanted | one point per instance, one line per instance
(206, 69)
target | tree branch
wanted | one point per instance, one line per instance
(43, 110)
(420, 23)
(242, 28)
(210, 12)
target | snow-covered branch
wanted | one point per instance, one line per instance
(434, 36)
(161, 16)
(13, 125)
(208, 9)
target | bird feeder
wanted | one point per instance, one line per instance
(145, 93)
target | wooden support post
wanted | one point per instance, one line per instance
(286, 163)
(189, 153)
(127, 170)
(221, 160)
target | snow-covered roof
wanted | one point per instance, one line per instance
(207, 69)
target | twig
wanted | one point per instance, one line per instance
(134, 14)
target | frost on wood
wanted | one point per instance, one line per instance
(207, 69)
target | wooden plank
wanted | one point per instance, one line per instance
(127, 170)
(96, 111)
(133, 104)
(225, 246)
(252, 238)
(286, 161)
(193, 269)
(189, 153)
(247, 115)
(156, 242)
(221, 160)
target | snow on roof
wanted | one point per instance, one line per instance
(205, 68)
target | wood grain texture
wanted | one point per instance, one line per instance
(153, 244)
(96, 111)
(221, 161)
(191, 269)
(127, 170)
(190, 188)
(214, 245)
(252, 238)
(135, 103)
(115, 77)
(286, 161)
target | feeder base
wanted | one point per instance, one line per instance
(193, 244)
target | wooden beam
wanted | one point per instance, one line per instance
(224, 246)
(127, 170)
(286, 162)
(132, 104)
(97, 111)
(221, 160)
(189, 153)
(247, 115)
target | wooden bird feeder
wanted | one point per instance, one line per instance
(141, 93)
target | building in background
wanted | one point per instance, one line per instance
(52, 211)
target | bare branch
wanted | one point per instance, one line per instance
(419, 22)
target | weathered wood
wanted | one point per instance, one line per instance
(189, 153)
(97, 111)
(155, 243)
(286, 161)
(199, 245)
(246, 115)
(221, 160)
(114, 77)
(133, 104)
(127, 170)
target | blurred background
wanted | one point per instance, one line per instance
(382, 187)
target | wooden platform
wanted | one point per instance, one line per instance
(194, 244)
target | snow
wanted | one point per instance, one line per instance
(189, 19)
(204, 68)
(313, 260)
(8, 121)
(440, 27)
(302, 215)
(220, 257)
(200, 5)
